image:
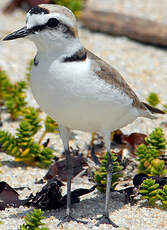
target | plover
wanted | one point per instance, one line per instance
(76, 87)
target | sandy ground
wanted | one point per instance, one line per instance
(144, 67)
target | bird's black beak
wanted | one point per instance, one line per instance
(23, 32)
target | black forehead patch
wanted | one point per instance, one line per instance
(38, 10)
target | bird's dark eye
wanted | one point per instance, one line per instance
(52, 22)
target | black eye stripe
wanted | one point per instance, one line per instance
(53, 23)
(38, 28)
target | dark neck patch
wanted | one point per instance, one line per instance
(80, 55)
(38, 10)
(36, 61)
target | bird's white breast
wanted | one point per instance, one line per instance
(77, 98)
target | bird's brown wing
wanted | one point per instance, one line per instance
(113, 77)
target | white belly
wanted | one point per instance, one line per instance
(78, 99)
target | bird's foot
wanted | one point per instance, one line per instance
(105, 220)
(69, 218)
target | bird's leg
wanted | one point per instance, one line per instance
(105, 219)
(109, 169)
(65, 133)
(69, 174)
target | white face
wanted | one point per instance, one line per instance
(49, 27)
(41, 25)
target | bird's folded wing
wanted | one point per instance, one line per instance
(113, 77)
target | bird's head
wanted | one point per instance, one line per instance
(47, 23)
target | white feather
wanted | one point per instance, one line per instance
(77, 98)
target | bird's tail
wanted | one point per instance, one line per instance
(150, 111)
(153, 109)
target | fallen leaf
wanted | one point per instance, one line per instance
(59, 168)
(8, 196)
(133, 140)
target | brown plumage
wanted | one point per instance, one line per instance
(113, 77)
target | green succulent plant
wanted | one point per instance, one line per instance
(32, 153)
(153, 99)
(50, 126)
(8, 143)
(22, 146)
(3, 78)
(36, 155)
(156, 139)
(147, 154)
(100, 176)
(24, 135)
(162, 195)
(149, 191)
(14, 97)
(158, 168)
(31, 115)
(33, 221)
(146, 157)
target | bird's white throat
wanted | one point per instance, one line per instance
(53, 46)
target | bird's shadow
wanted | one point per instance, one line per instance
(13, 164)
(9, 120)
(89, 208)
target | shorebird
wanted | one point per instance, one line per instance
(75, 87)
